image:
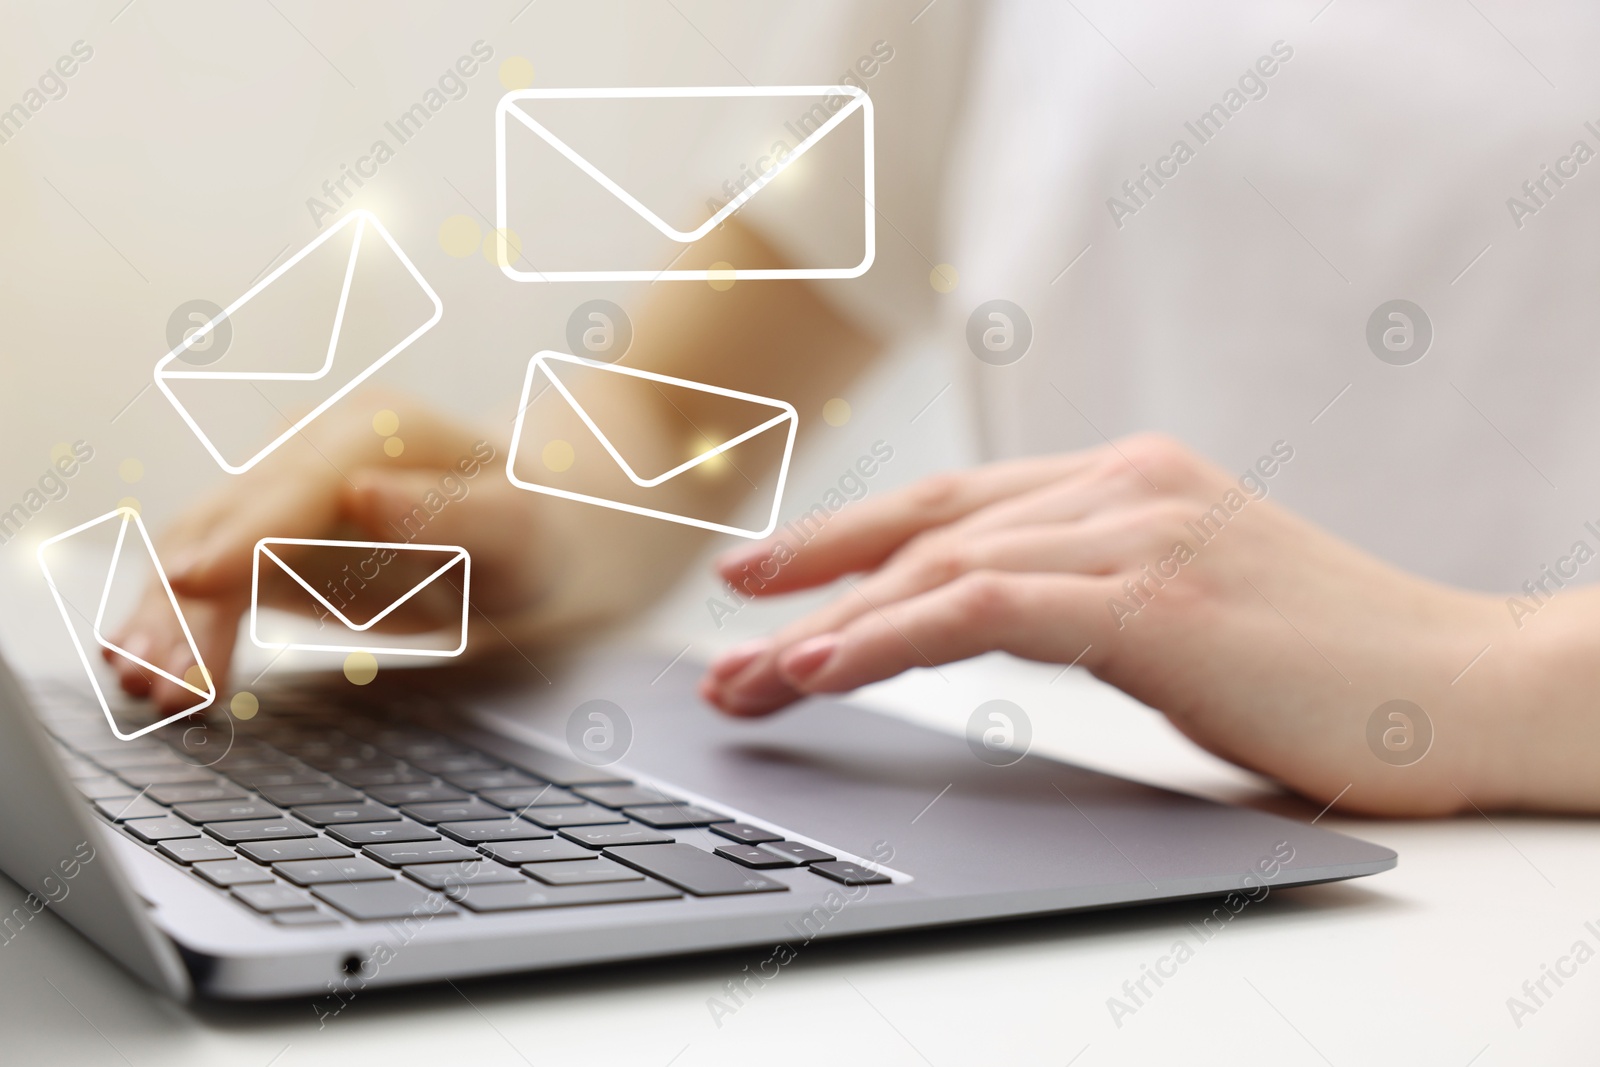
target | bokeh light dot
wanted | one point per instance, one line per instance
(360, 667)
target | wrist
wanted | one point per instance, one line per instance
(1541, 733)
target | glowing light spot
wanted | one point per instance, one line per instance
(360, 667)
(558, 456)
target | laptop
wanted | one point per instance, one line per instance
(469, 821)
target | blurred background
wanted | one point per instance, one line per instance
(195, 146)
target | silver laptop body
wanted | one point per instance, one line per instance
(921, 829)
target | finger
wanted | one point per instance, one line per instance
(493, 520)
(864, 534)
(1109, 486)
(749, 676)
(215, 627)
(208, 552)
(211, 554)
(1040, 617)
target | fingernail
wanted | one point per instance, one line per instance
(136, 643)
(744, 557)
(179, 563)
(808, 657)
(737, 658)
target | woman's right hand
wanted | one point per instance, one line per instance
(344, 488)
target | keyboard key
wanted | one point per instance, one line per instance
(272, 898)
(294, 796)
(103, 787)
(558, 770)
(367, 777)
(799, 853)
(225, 810)
(473, 781)
(332, 814)
(364, 758)
(165, 828)
(582, 815)
(140, 777)
(136, 754)
(492, 898)
(195, 850)
(311, 848)
(406, 853)
(516, 853)
(304, 917)
(317, 872)
(397, 795)
(848, 873)
(751, 856)
(97, 743)
(453, 811)
(583, 872)
(274, 777)
(394, 899)
(673, 816)
(195, 792)
(546, 796)
(448, 876)
(605, 836)
(419, 745)
(258, 830)
(227, 873)
(456, 763)
(236, 762)
(378, 833)
(77, 766)
(501, 829)
(623, 796)
(120, 809)
(744, 833)
(693, 870)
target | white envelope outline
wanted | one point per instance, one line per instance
(208, 695)
(457, 555)
(859, 101)
(361, 220)
(543, 360)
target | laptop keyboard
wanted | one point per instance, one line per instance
(379, 819)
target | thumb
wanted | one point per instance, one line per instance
(493, 520)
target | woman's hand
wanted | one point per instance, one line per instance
(444, 488)
(1266, 640)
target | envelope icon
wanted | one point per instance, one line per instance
(764, 417)
(852, 100)
(369, 559)
(368, 237)
(124, 518)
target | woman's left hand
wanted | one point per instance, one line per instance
(1265, 639)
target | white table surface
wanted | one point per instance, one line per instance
(1412, 966)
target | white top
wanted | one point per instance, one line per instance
(1363, 156)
